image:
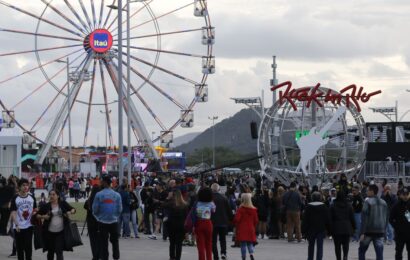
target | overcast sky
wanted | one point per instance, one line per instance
(336, 43)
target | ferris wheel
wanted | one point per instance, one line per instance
(59, 60)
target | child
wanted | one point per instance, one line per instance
(245, 221)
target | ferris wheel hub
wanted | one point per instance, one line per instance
(99, 41)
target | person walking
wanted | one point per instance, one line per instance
(203, 226)
(76, 189)
(400, 220)
(391, 200)
(246, 220)
(220, 221)
(149, 208)
(177, 210)
(107, 207)
(23, 208)
(92, 223)
(55, 214)
(124, 220)
(343, 225)
(6, 194)
(134, 205)
(292, 204)
(374, 222)
(316, 221)
(357, 204)
(261, 202)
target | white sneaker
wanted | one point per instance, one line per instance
(153, 237)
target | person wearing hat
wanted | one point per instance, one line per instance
(107, 207)
(400, 220)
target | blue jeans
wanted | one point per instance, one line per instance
(248, 245)
(124, 223)
(358, 222)
(389, 232)
(134, 221)
(378, 247)
(318, 238)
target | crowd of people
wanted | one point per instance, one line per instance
(195, 211)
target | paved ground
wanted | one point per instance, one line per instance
(143, 248)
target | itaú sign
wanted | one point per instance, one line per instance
(351, 94)
(100, 40)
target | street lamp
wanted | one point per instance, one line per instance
(213, 118)
(106, 113)
(120, 45)
(119, 80)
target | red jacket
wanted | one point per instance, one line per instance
(245, 222)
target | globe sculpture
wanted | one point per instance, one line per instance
(312, 141)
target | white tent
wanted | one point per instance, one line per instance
(10, 152)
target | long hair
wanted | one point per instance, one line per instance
(246, 200)
(179, 200)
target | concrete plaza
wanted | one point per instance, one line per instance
(144, 248)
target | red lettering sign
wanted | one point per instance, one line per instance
(351, 94)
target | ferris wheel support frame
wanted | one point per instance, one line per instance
(62, 114)
(132, 112)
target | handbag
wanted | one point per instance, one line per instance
(72, 236)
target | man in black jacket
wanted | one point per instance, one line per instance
(292, 202)
(316, 222)
(400, 220)
(220, 220)
(357, 204)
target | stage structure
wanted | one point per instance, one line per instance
(388, 152)
(319, 132)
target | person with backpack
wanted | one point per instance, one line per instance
(246, 220)
(203, 225)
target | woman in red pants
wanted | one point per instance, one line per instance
(203, 225)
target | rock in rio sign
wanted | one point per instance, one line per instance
(351, 94)
(100, 40)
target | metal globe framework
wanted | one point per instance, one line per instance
(282, 127)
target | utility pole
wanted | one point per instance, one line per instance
(120, 95)
(274, 80)
(213, 118)
(129, 168)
